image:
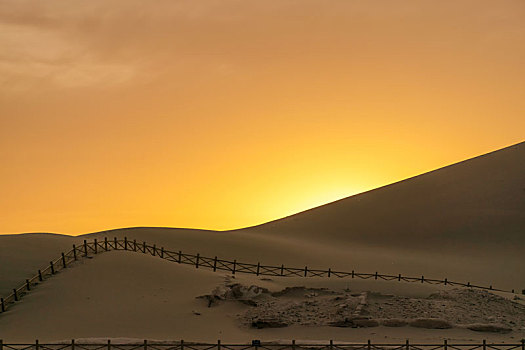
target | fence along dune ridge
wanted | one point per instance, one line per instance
(96, 247)
(258, 345)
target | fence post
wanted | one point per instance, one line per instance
(180, 257)
(215, 264)
(305, 271)
(422, 279)
(40, 276)
(375, 277)
(85, 248)
(144, 247)
(72, 344)
(52, 268)
(109, 344)
(407, 346)
(258, 268)
(353, 273)
(96, 245)
(2, 304)
(16, 294)
(28, 287)
(484, 344)
(282, 270)
(116, 242)
(145, 344)
(125, 243)
(445, 345)
(445, 285)
(74, 252)
(181, 344)
(162, 252)
(154, 249)
(331, 344)
(329, 272)
(63, 260)
(369, 345)
(523, 344)
(134, 245)
(218, 344)
(399, 277)
(197, 261)
(37, 346)
(106, 244)
(234, 266)
(1, 344)
(293, 344)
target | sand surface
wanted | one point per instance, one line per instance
(464, 222)
(130, 295)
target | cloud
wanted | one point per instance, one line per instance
(41, 46)
(108, 43)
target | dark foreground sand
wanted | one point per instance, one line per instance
(123, 294)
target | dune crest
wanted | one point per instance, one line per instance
(477, 204)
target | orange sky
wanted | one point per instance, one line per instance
(223, 114)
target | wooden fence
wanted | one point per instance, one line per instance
(258, 345)
(97, 246)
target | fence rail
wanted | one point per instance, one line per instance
(258, 345)
(216, 264)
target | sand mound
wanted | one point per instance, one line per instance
(235, 291)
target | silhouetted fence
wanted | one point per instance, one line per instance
(257, 345)
(96, 247)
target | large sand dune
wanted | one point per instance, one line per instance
(464, 222)
(475, 205)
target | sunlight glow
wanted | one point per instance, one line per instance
(225, 115)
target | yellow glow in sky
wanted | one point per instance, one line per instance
(225, 114)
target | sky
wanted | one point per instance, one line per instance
(229, 113)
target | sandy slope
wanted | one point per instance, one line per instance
(121, 294)
(503, 272)
(22, 255)
(475, 205)
(464, 222)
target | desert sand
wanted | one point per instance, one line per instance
(464, 222)
(130, 295)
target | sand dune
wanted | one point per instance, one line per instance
(475, 205)
(502, 272)
(464, 222)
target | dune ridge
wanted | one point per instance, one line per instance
(476, 204)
